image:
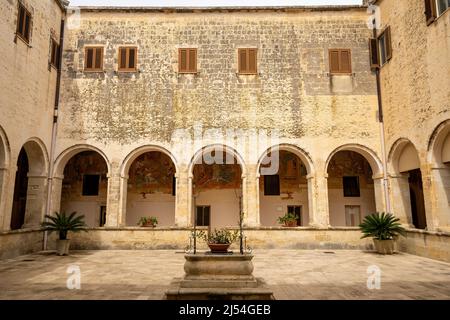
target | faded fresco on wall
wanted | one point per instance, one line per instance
(151, 172)
(217, 176)
(292, 173)
(349, 163)
(87, 162)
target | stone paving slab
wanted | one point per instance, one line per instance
(291, 274)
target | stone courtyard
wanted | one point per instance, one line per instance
(291, 274)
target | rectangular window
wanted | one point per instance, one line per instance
(93, 59)
(442, 6)
(54, 53)
(127, 59)
(187, 60)
(247, 60)
(297, 210)
(340, 61)
(24, 21)
(385, 46)
(351, 187)
(272, 185)
(91, 183)
(203, 216)
(174, 185)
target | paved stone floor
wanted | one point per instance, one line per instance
(292, 274)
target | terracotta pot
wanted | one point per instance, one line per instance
(62, 247)
(384, 246)
(219, 247)
(290, 224)
(149, 225)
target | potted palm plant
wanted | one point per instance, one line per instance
(219, 240)
(62, 224)
(384, 228)
(289, 220)
(148, 222)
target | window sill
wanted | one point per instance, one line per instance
(188, 72)
(127, 71)
(18, 36)
(94, 71)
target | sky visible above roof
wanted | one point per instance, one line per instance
(210, 3)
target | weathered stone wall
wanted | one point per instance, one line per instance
(27, 96)
(416, 100)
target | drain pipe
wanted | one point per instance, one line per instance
(382, 130)
(54, 131)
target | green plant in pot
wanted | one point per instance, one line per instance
(64, 224)
(148, 222)
(384, 228)
(289, 219)
(219, 240)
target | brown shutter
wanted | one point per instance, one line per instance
(98, 58)
(252, 61)
(89, 58)
(192, 60)
(123, 58)
(242, 60)
(374, 55)
(430, 11)
(21, 20)
(27, 27)
(388, 40)
(182, 60)
(334, 61)
(345, 63)
(132, 58)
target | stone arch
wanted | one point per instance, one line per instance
(289, 196)
(354, 184)
(439, 159)
(299, 152)
(407, 196)
(155, 197)
(30, 187)
(133, 155)
(80, 183)
(4, 167)
(68, 153)
(218, 199)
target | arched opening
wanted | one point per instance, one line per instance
(407, 187)
(151, 189)
(351, 188)
(440, 172)
(283, 187)
(29, 186)
(217, 188)
(84, 187)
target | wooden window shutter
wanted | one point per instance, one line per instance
(123, 58)
(24, 22)
(334, 61)
(192, 60)
(182, 53)
(21, 20)
(430, 11)
(242, 60)
(98, 58)
(374, 54)
(345, 63)
(388, 43)
(252, 61)
(27, 27)
(89, 58)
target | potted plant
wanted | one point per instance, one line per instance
(62, 224)
(384, 228)
(219, 240)
(148, 222)
(289, 220)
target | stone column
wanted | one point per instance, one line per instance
(183, 196)
(250, 193)
(9, 179)
(378, 186)
(190, 199)
(55, 205)
(400, 199)
(115, 196)
(36, 197)
(319, 216)
(431, 193)
(3, 196)
(440, 192)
